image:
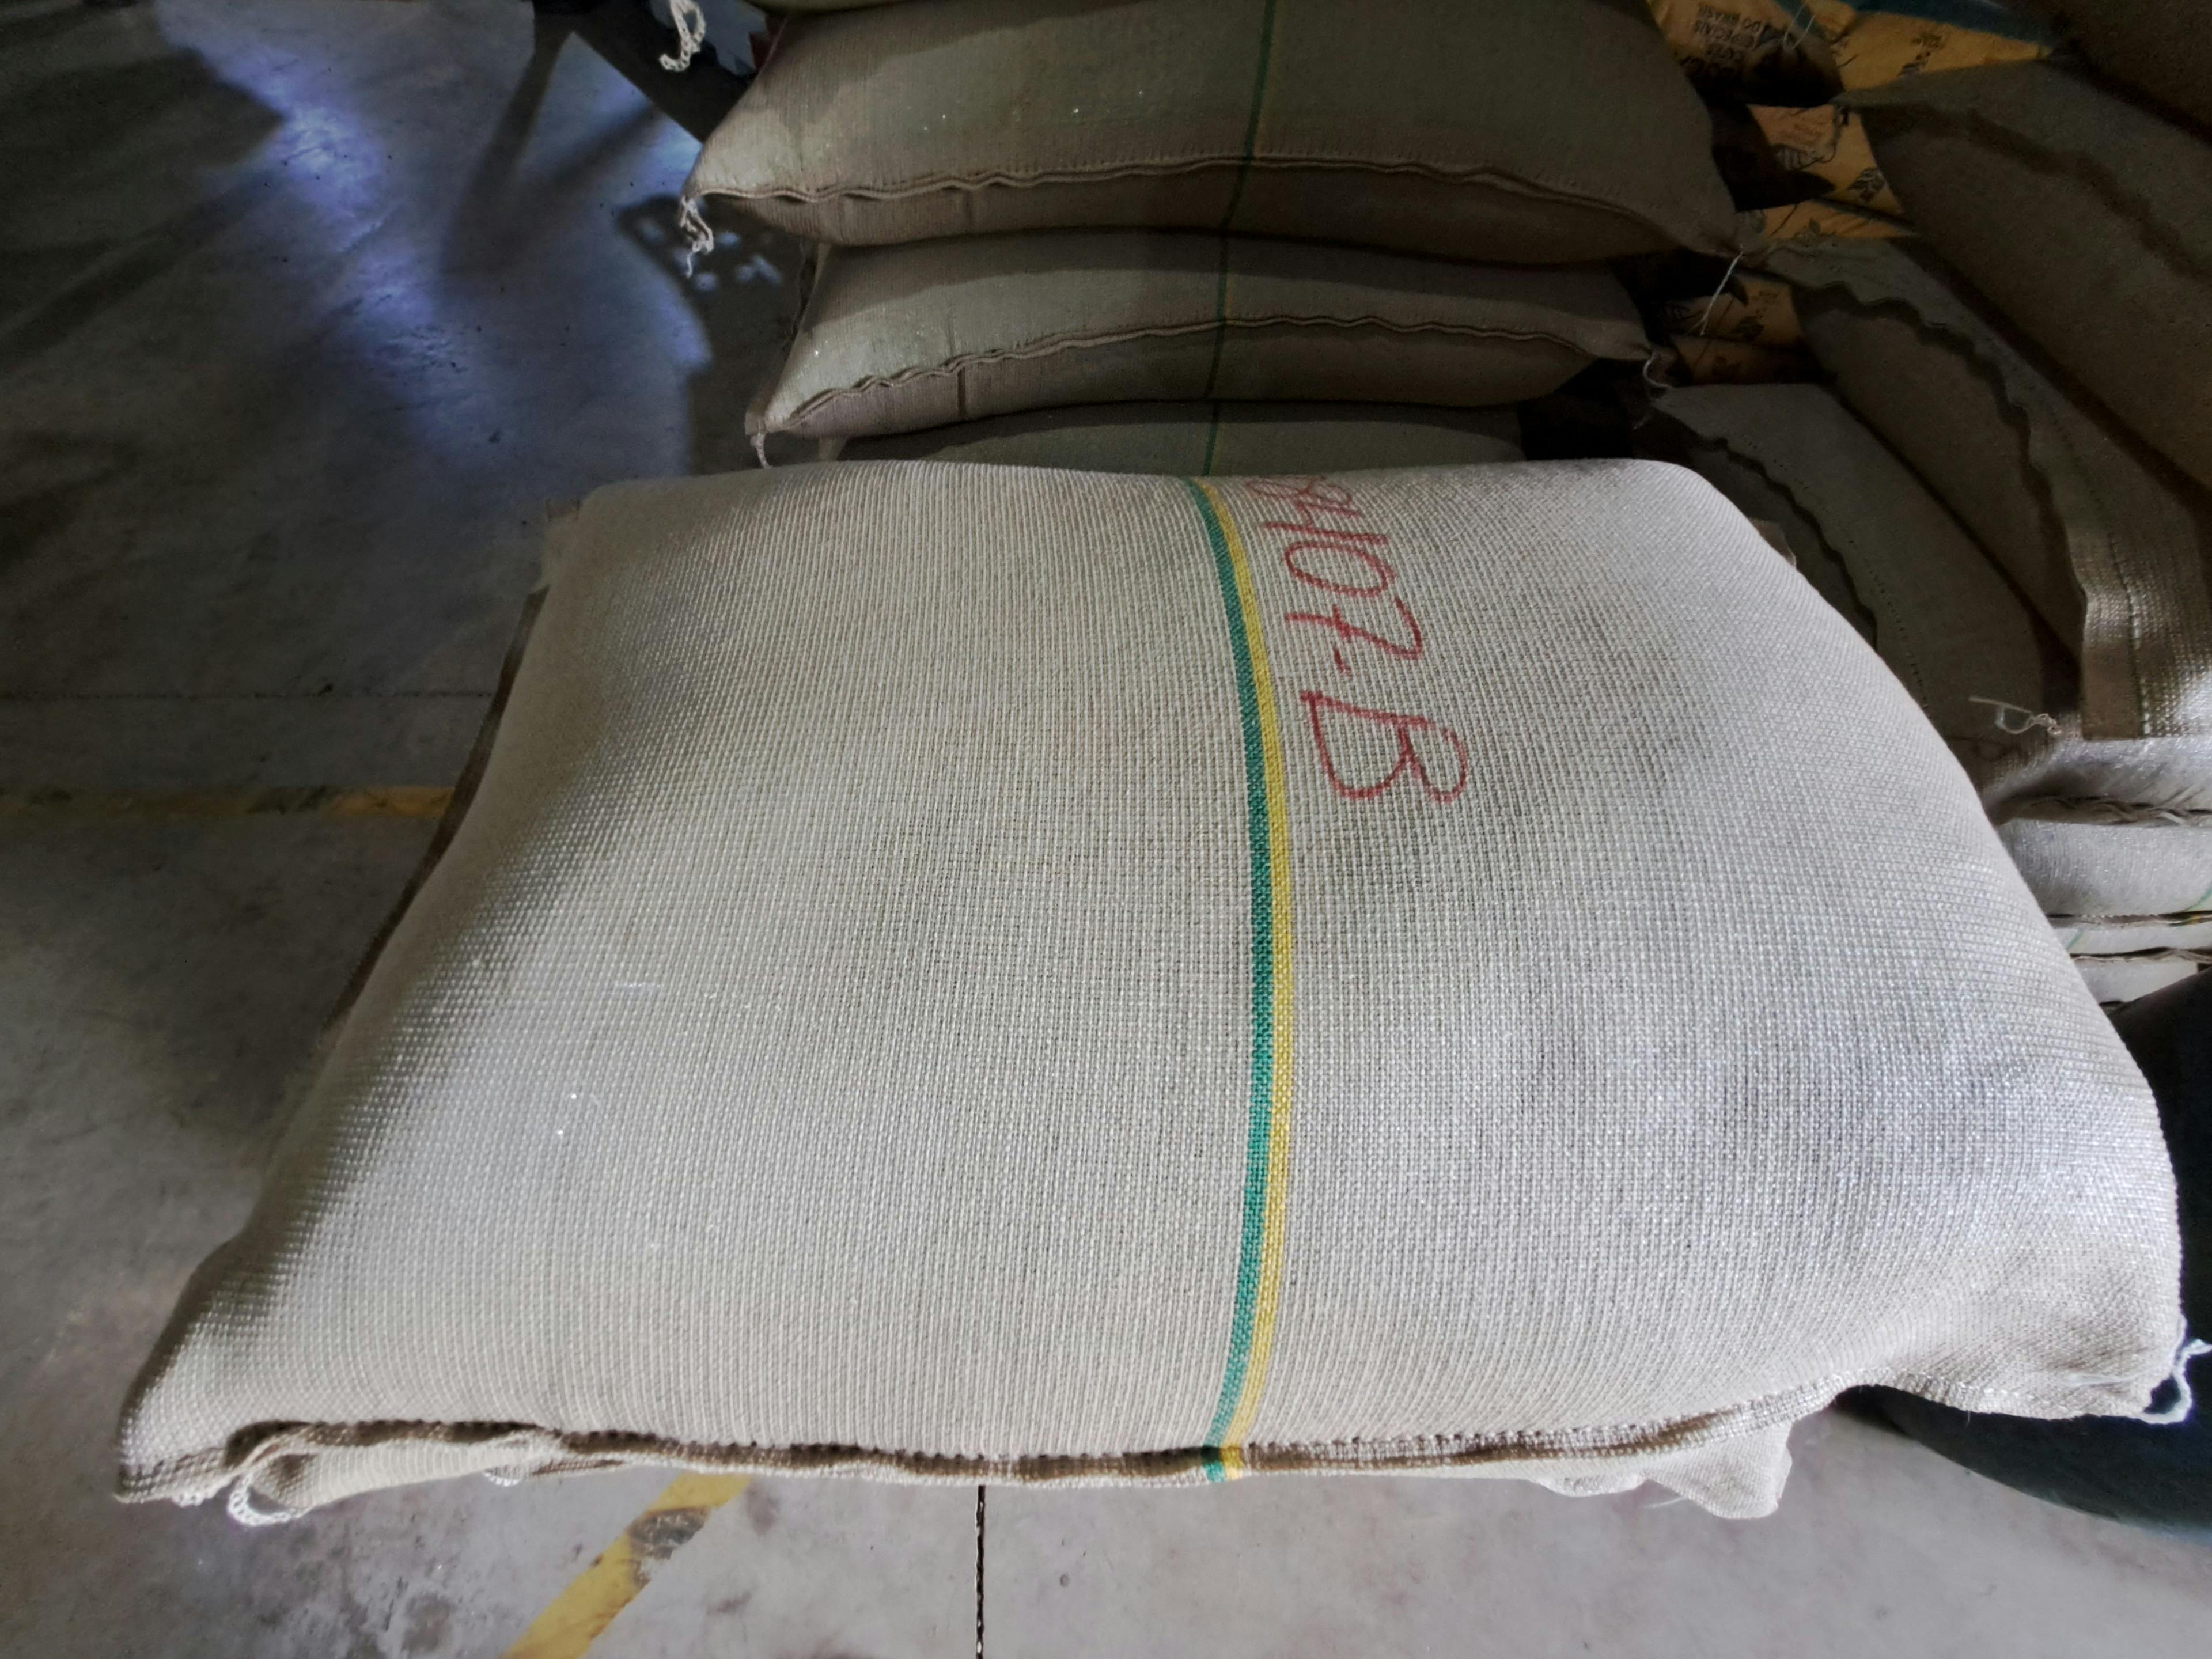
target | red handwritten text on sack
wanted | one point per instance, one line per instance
(1335, 549)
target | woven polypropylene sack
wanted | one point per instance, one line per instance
(968, 973)
(902, 339)
(1216, 439)
(1996, 683)
(2086, 219)
(1523, 131)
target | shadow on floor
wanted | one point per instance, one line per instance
(108, 182)
(745, 293)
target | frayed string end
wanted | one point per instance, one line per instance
(2184, 1399)
(248, 1512)
(2014, 722)
(698, 236)
(1727, 276)
(690, 34)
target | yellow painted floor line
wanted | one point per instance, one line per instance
(577, 1616)
(399, 801)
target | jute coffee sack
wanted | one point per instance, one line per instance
(988, 973)
(1522, 130)
(2107, 541)
(1867, 533)
(905, 339)
(1216, 439)
(2087, 220)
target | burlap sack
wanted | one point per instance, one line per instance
(2161, 47)
(2108, 544)
(1523, 131)
(906, 338)
(2087, 220)
(972, 973)
(1216, 439)
(1868, 535)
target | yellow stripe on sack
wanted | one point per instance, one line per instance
(1283, 1002)
(580, 1614)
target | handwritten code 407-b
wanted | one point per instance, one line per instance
(1327, 544)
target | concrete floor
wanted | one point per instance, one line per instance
(307, 309)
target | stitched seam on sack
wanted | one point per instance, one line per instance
(280, 1439)
(2142, 215)
(2145, 919)
(598, 1448)
(929, 183)
(2100, 809)
(2162, 953)
(1991, 370)
(1060, 343)
(1799, 498)
(1754, 465)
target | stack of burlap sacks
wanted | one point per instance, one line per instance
(937, 979)
(1226, 236)
(2006, 280)
(1273, 236)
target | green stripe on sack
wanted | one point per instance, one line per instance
(1237, 190)
(1251, 1253)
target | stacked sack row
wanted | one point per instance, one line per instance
(1211, 235)
(2004, 283)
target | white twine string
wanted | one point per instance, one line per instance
(243, 1509)
(690, 34)
(698, 237)
(2184, 1401)
(2029, 719)
(1706, 315)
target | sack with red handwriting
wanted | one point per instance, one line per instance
(981, 973)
